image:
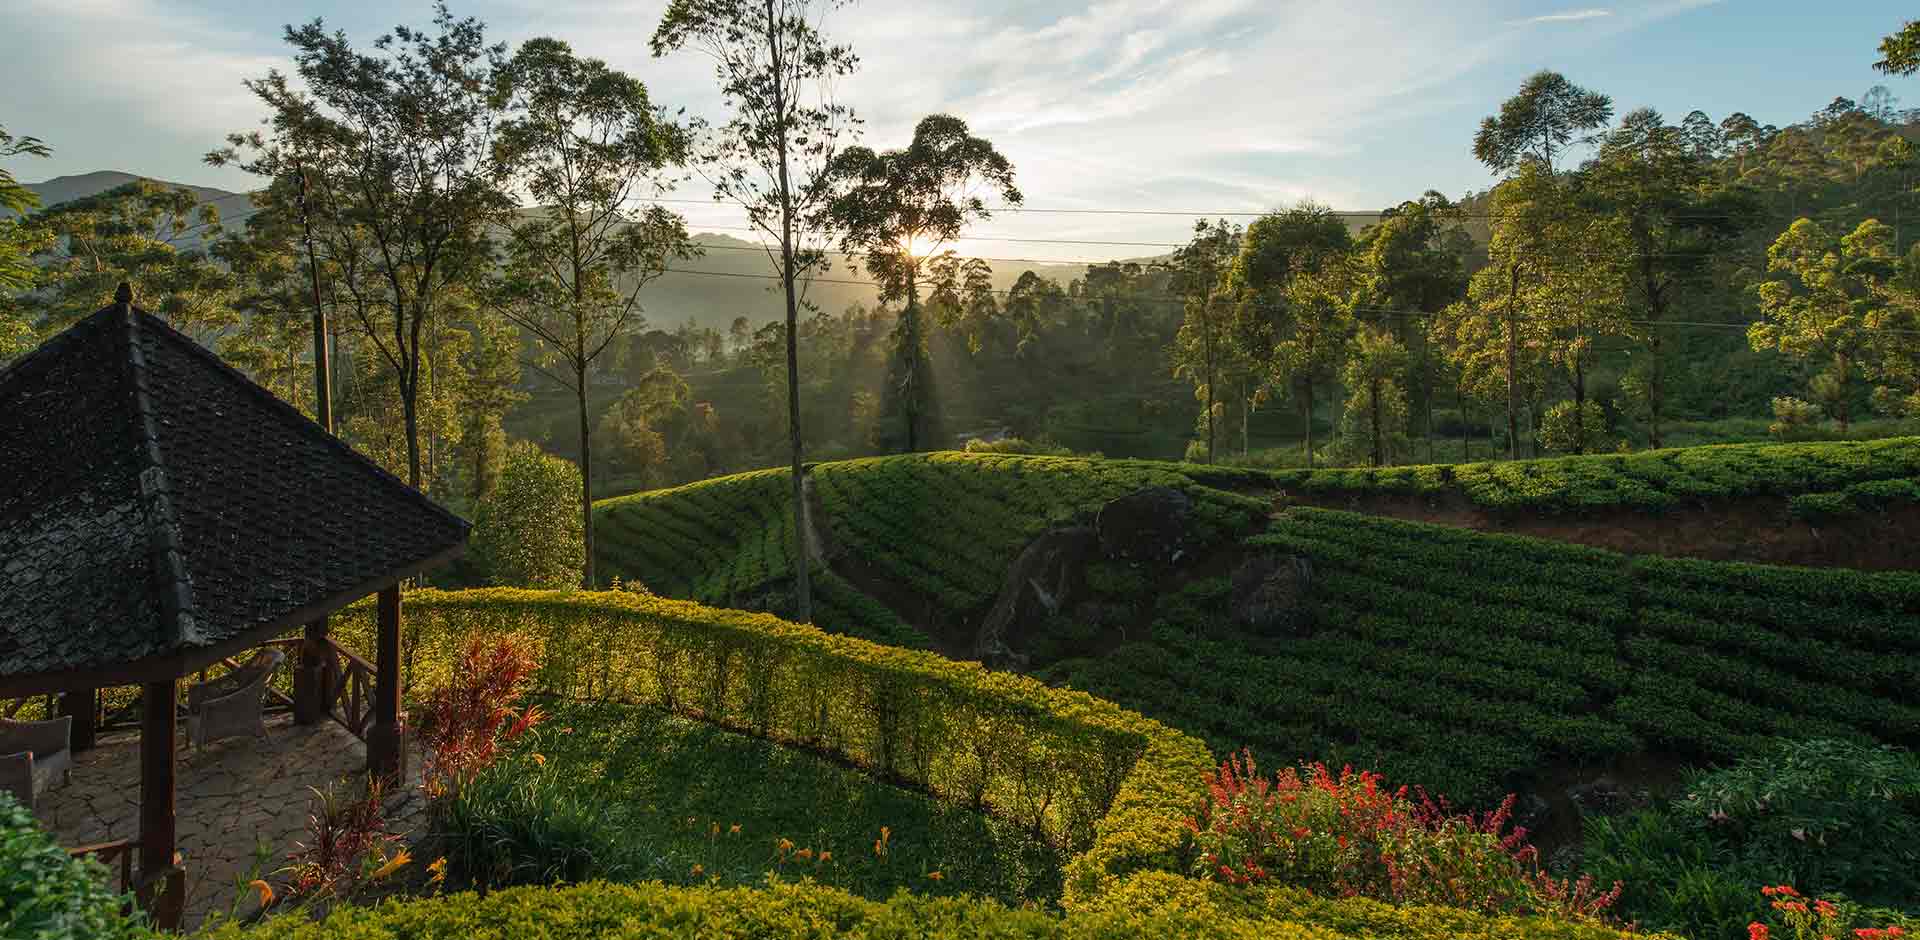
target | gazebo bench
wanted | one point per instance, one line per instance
(33, 755)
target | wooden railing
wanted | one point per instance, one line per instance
(349, 689)
(162, 893)
(107, 853)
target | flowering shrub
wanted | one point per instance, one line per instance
(1348, 835)
(463, 721)
(1816, 919)
(346, 844)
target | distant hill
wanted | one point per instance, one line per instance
(737, 279)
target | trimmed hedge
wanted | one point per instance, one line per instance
(1652, 480)
(1098, 780)
(1148, 907)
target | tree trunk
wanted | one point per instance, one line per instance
(409, 409)
(1579, 405)
(910, 367)
(803, 583)
(1208, 339)
(1513, 364)
(1379, 443)
(1306, 416)
(586, 476)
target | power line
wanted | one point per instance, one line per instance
(1376, 311)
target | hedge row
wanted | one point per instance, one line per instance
(1097, 779)
(1651, 480)
(1147, 907)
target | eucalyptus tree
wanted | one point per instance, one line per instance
(146, 234)
(19, 242)
(584, 143)
(895, 208)
(1823, 308)
(1201, 352)
(395, 151)
(1293, 290)
(1539, 122)
(776, 72)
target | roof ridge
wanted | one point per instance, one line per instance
(275, 403)
(176, 595)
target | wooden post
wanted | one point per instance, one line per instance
(83, 705)
(310, 676)
(158, 737)
(386, 744)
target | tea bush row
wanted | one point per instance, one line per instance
(1846, 475)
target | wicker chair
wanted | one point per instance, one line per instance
(34, 755)
(232, 704)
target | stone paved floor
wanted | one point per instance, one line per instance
(236, 799)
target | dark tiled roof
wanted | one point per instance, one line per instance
(155, 502)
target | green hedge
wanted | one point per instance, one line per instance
(1651, 480)
(47, 895)
(1097, 779)
(1149, 907)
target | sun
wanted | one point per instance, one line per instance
(921, 246)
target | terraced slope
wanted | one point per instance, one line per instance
(1468, 661)
(1874, 472)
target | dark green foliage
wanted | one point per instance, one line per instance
(628, 793)
(1829, 817)
(45, 895)
(1648, 481)
(519, 822)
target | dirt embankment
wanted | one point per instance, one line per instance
(1758, 529)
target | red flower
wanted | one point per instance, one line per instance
(1756, 932)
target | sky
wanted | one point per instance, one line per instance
(1180, 106)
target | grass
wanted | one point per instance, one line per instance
(674, 789)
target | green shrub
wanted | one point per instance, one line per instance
(527, 531)
(1150, 907)
(1829, 816)
(519, 823)
(1102, 781)
(1015, 445)
(1568, 429)
(1826, 816)
(46, 895)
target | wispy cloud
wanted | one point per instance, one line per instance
(1569, 16)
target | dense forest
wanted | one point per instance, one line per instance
(1631, 281)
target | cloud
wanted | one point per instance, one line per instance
(1569, 16)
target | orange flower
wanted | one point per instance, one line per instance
(264, 890)
(825, 855)
(539, 758)
(1756, 932)
(698, 869)
(803, 853)
(393, 864)
(935, 875)
(784, 846)
(733, 829)
(439, 869)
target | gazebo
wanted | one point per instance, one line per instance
(162, 513)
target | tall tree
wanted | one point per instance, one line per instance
(1411, 266)
(1539, 122)
(1820, 310)
(19, 242)
(1201, 352)
(1292, 288)
(1376, 411)
(1652, 177)
(1900, 52)
(152, 237)
(776, 73)
(896, 208)
(396, 148)
(582, 140)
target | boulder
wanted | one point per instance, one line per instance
(1270, 593)
(1043, 581)
(1147, 525)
